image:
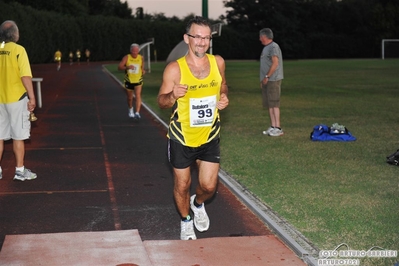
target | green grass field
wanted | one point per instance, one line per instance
(332, 192)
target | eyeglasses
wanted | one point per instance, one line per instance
(199, 38)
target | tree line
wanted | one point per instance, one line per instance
(320, 28)
(303, 28)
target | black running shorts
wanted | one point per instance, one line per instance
(181, 156)
(131, 86)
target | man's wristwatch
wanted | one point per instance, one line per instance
(266, 76)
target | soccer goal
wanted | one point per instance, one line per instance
(146, 52)
(389, 48)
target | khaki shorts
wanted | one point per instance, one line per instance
(271, 94)
(14, 120)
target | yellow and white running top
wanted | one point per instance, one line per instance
(134, 75)
(57, 56)
(195, 119)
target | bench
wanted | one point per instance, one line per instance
(38, 91)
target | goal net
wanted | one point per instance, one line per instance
(390, 48)
(145, 51)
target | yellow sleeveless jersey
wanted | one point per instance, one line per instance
(134, 75)
(14, 64)
(195, 118)
(57, 56)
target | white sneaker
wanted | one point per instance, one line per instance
(266, 132)
(276, 132)
(187, 230)
(25, 175)
(201, 219)
(137, 116)
(131, 113)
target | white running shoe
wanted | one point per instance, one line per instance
(25, 175)
(131, 113)
(267, 132)
(137, 116)
(201, 219)
(187, 230)
(276, 132)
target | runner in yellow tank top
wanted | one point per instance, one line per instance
(133, 65)
(195, 88)
(57, 58)
(135, 73)
(195, 119)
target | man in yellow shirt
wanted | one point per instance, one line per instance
(87, 54)
(195, 88)
(133, 65)
(17, 98)
(57, 58)
(78, 54)
(70, 57)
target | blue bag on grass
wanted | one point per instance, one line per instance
(336, 133)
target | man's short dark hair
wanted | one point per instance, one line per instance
(198, 21)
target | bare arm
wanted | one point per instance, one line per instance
(272, 69)
(224, 90)
(142, 65)
(122, 63)
(27, 82)
(170, 89)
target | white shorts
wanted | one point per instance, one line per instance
(14, 120)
